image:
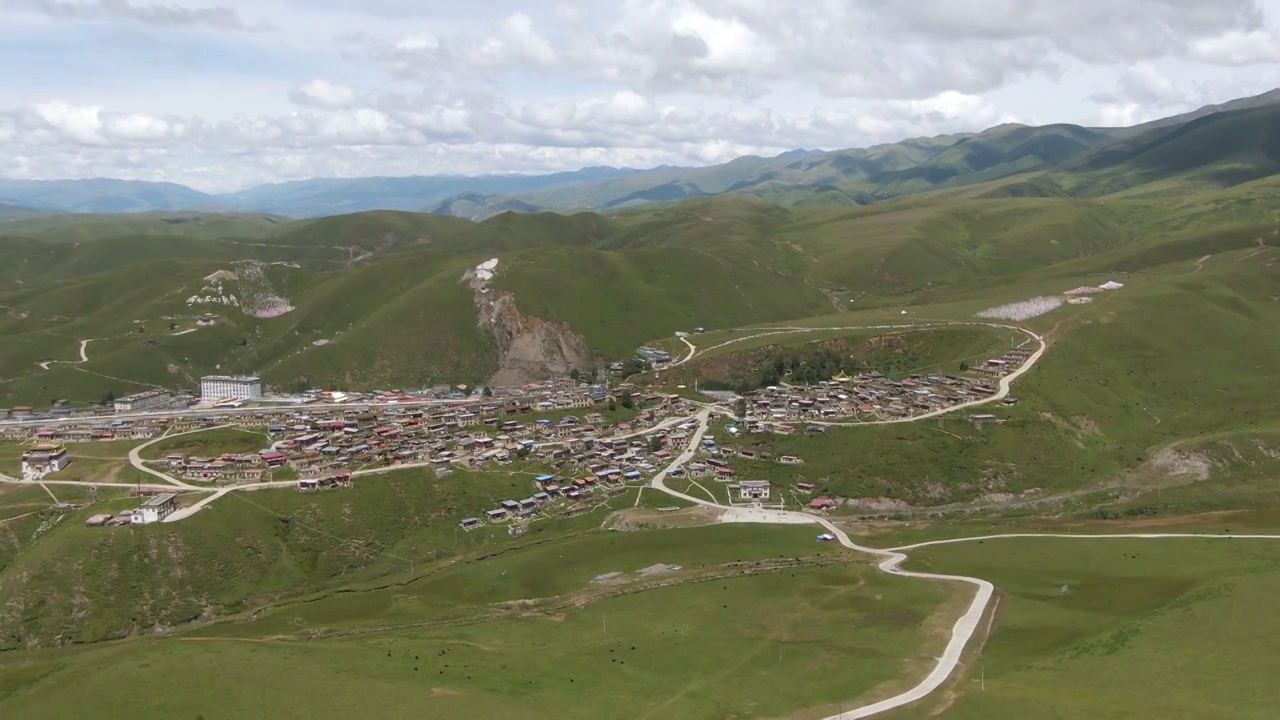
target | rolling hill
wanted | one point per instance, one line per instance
(1095, 161)
(386, 298)
(1155, 399)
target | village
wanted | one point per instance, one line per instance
(873, 397)
(555, 431)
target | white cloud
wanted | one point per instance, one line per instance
(136, 127)
(1238, 48)
(540, 86)
(79, 123)
(217, 17)
(323, 94)
(514, 42)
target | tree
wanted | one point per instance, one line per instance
(964, 365)
(740, 409)
(109, 398)
(487, 392)
(632, 366)
(523, 452)
(626, 400)
(575, 374)
(613, 405)
(655, 444)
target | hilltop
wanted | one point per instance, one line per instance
(381, 299)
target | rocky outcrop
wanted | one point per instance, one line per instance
(529, 348)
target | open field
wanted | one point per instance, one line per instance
(1145, 628)
(245, 551)
(759, 645)
(209, 443)
(90, 462)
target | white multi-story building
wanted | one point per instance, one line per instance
(154, 509)
(143, 400)
(754, 489)
(230, 387)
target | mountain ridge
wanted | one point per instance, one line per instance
(850, 177)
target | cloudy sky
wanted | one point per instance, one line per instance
(223, 94)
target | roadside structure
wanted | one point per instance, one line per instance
(230, 387)
(45, 458)
(154, 510)
(144, 400)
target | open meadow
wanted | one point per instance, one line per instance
(755, 622)
(1177, 628)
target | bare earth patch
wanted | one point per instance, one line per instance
(1173, 463)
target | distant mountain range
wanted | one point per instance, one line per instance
(795, 178)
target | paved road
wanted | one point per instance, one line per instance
(231, 413)
(890, 562)
(693, 350)
(135, 459)
(1002, 391)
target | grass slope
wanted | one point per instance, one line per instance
(754, 645)
(1147, 628)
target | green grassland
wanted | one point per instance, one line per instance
(90, 227)
(243, 551)
(799, 637)
(1172, 628)
(379, 300)
(209, 442)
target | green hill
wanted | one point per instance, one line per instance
(378, 298)
(1218, 150)
(1155, 399)
(85, 227)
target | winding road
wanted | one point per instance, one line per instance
(84, 356)
(890, 560)
(887, 560)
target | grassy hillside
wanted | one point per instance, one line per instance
(84, 227)
(641, 649)
(1218, 150)
(1139, 632)
(376, 294)
(63, 583)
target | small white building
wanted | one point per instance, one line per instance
(143, 401)
(154, 509)
(230, 387)
(753, 489)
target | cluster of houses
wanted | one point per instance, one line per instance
(548, 396)
(872, 396)
(1003, 365)
(324, 448)
(97, 420)
(565, 497)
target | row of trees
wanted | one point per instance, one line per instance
(814, 365)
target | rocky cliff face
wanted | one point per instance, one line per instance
(529, 348)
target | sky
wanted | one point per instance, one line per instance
(225, 94)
